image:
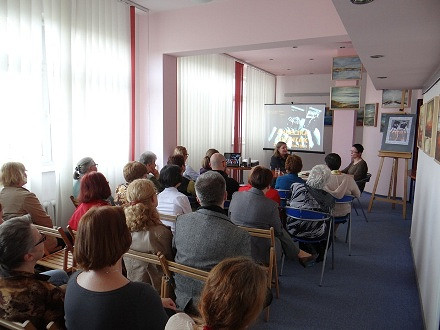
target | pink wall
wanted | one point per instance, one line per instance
(213, 28)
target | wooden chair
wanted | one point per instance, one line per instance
(5, 324)
(152, 259)
(74, 201)
(272, 267)
(61, 259)
(170, 267)
(72, 233)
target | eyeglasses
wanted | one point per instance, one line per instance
(42, 239)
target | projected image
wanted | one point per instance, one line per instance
(299, 126)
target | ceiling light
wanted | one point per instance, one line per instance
(311, 59)
(294, 46)
(382, 77)
(377, 56)
(342, 47)
(271, 59)
(288, 69)
(361, 2)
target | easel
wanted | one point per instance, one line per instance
(393, 180)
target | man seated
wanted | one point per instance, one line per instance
(218, 164)
(148, 158)
(205, 237)
(340, 184)
(24, 294)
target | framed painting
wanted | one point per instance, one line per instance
(399, 132)
(429, 123)
(360, 117)
(370, 114)
(328, 117)
(383, 119)
(437, 135)
(345, 97)
(421, 127)
(347, 68)
(394, 98)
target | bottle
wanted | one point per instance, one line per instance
(240, 161)
(249, 163)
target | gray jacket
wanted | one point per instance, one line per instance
(202, 239)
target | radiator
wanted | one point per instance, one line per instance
(50, 208)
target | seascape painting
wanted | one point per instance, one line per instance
(421, 127)
(346, 68)
(392, 98)
(345, 97)
(370, 114)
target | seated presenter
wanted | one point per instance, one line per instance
(358, 166)
(278, 159)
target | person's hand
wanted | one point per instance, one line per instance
(168, 303)
(155, 172)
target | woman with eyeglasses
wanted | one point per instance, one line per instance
(278, 159)
(25, 295)
(358, 166)
(84, 166)
(18, 201)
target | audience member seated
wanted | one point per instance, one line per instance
(232, 298)
(171, 201)
(205, 162)
(218, 164)
(278, 159)
(99, 296)
(17, 200)
(205, 237)
(271, 193)
(358, 167)
(94, 191)
(293, 166)
(148, 234)
(311, 196)
(252, 209)
(25, 295)
(340, 184)
(132, 171)
(189, 172)
(186, 187)
(84, 166)
(148, 158)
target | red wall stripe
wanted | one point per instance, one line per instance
(133, 82)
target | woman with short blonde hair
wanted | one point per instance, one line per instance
(18, 201)
(148, 233)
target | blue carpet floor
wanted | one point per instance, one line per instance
(374, 288)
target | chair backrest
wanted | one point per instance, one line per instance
(167, 217)
(366, 179)
(5, 324)
(72, 233)
(74, 201)
(284, 196)
(304, 214)
(226, 204)
(345, 200)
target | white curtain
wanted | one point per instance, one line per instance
(205, 105)
(65, 89)
(259, 89)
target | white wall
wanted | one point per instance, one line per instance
(425, 231)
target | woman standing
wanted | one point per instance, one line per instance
(99, 296)
(278, 160)
(148, 234)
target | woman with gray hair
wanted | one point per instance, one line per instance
(85, 165)
(311, 196)
(25, 295)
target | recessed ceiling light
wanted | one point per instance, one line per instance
(342, 47)
(294, 46)
(288, 69)
(271, 59)
(361, 2)
(311, 59)
(377, 56)
(382, 77)
(311, 73)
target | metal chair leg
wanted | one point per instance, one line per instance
(362, 209)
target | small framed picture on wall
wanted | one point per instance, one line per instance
(370, 114)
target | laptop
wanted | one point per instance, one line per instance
(232, 159)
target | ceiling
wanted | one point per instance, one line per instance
(405, 32)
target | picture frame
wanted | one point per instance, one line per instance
(421, 127)
(399, 132)
(347, 68)
(436, 146)
(370, 114)
(345, 97)
(393, 98)
(360, 116)
(383, 120)
(328, 117)
(428, 134)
